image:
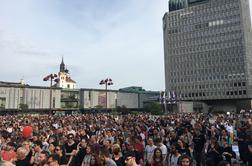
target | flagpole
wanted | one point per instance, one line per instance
(165, 106)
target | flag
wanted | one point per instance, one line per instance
(169, 97)
(173, 97)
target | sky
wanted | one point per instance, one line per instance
(99, 39)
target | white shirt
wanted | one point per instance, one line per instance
(230, 129)
(149, 150)
(163, 149)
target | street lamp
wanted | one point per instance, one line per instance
(107, 82)
(51, 77)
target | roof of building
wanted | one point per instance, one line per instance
(136, 89)
(12, 83)
(68, 79)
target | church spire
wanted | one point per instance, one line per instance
(62, 65)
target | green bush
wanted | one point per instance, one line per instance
(154, 108)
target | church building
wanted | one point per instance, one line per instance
(65, 80)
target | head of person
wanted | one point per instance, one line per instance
(104, 155)
(150, 141)
(42, 157)
(51, 148)
(83, 143)
(130, 158)
(94, 160)
(59, 150)
(224, 163)
(174, 148)
(157, 153)
(53, 160)
(26, 145)
(10, 146)
(88, 149)
(37, 146)
(93, 139)
(116, 149)
(186, 160)
(70, 138)
(21, 153)
(158, 141)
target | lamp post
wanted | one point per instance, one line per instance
(51, 77)
(107, 82)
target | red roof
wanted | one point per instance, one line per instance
(68, 79)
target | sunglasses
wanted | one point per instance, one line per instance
(57, 149)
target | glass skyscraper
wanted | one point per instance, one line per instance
(208, 49)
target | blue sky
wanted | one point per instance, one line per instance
(118, 39)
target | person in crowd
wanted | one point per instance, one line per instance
(105, 157)
(173, 158)
(53, 160)
(214, 153)
(117, 155)
(199, 145)
(8, 154)
(37, 149)
(94, 144)
(29, 150)
(157, 158)
(80, 154)
(186, 160)
(42, 158)
(51, 148)
(60, 152)
(183, 148)
(228, 153)
(149, 151)
(241, 138)
(249, 146)
(163, 148)
(70, 145)
(87, 158)
(130, 159)
(21, 157)
(224, 163)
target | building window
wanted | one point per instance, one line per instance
(68, 85)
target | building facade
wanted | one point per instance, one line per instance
(96, 98)
(208, 50)
(17, 96)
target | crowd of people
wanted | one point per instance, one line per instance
(103, 139)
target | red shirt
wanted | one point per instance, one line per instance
(8, 155)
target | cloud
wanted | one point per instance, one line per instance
(119, 39)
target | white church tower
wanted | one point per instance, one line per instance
(65, 80)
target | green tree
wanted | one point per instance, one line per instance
(23, 106)
(154, 108)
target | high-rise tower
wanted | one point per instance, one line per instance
(208, 51)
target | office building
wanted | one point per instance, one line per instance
(208, 52)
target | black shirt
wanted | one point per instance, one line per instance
(22, 163)
(199, 142)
